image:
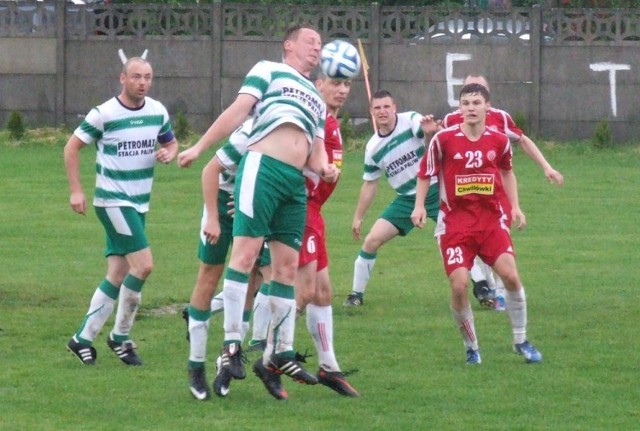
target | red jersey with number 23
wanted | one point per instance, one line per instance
(469, 177)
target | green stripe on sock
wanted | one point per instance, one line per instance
(281, 290)
(194, 365)
(133, 283)
(289, 354)
(83, 340)
(264, 288)
(233, 275)
(246, 316)
(109, 289)
(363, 254)
(119, 338)
(200, 315)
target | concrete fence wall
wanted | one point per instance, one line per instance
(562, 71)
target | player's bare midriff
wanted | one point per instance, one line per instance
(286, 143)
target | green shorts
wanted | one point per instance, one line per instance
(398, 213)
(270, 200)
(264, 259)
(124, 227)
(216, 254)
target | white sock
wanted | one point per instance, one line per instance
(283, 321)
(465, 322)
(488, 273)
(246, 318)
(198, 336)
(362, 271)
(234, 297)
(477, 272)
(516, 304)
(217, 303)
(261, 316)
(268, 350)
(320, 326)
(126, 314)
(100, 309)
(500, 289)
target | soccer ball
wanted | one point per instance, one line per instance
(340, 60)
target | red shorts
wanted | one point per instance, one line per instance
(459, 249)
(314, 242)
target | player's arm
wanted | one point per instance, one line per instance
(510, 185)
(423, 180)
(367, 194)
(318, 162)
(72, 166)
(419, 214)
(429, 126)
(210, 186)
(534, 153)
(167, 152)
(223, 126)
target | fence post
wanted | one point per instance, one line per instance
(217, 33)
(536, 71)
(375, 40)
(59, 108)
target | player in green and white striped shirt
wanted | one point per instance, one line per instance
(393, 151)
(270, 197)
(127, 131)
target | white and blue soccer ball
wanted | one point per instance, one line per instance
(340, 60)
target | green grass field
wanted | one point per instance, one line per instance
(578, 260)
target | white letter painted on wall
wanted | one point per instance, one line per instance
(611, 67)
(451, 81)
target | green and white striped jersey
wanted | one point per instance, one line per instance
(126, 142)
(397, 154)
(231, 153)
(284, 96)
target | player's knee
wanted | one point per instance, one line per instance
(285, 272)
(322, 297)
(458, 289)
(511, 280)
(372, 243)
(143, 270)
(303, 298)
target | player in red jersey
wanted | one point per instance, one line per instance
(485, 288)
(500, 120)
(313, 285)
(473, 167)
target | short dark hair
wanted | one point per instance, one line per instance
(475, 89)
(381, 94)
(292, 32)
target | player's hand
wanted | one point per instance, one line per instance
(330, 173)
(554, 176)
(78, 203)
(187, 157)
(211, 230)
(518, 218)
(165, 156)
(355, 229)
(429, 125)
(419, 217)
